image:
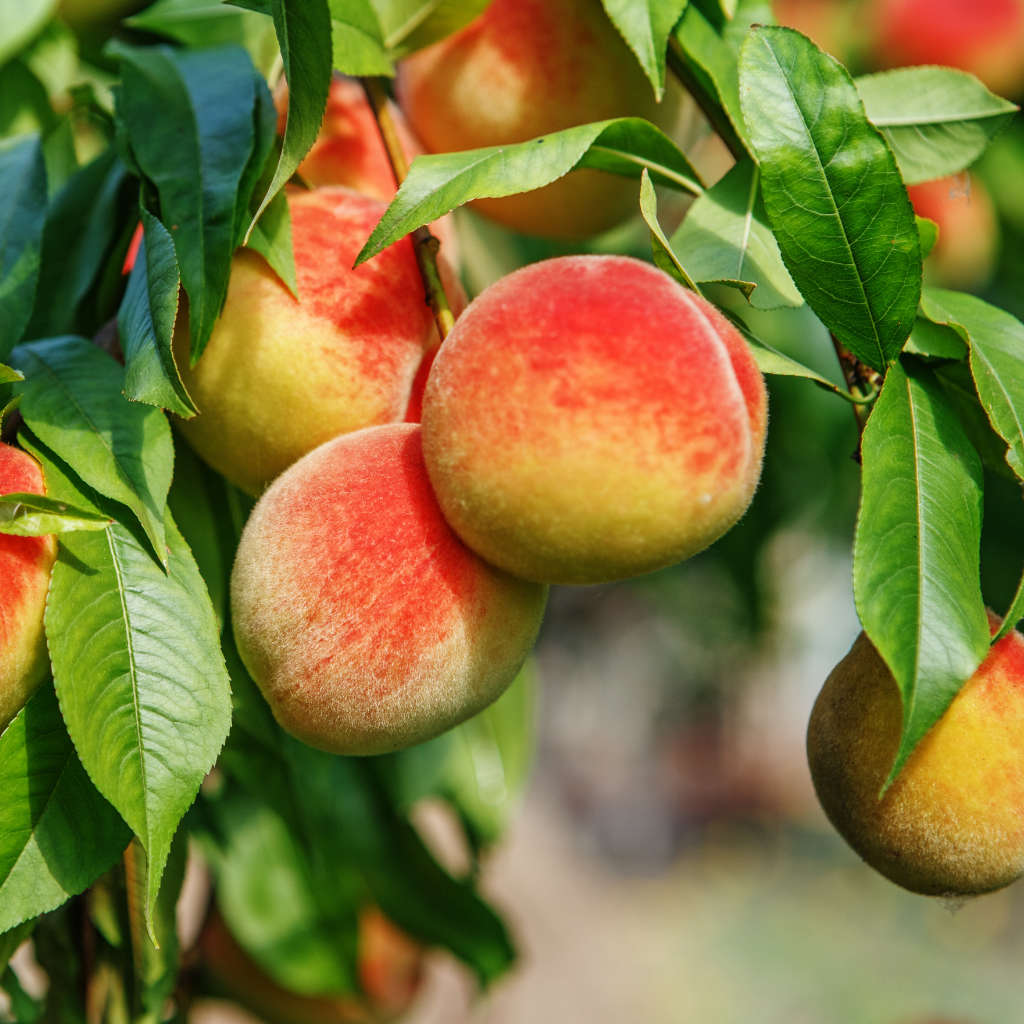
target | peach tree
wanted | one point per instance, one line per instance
(136, 158)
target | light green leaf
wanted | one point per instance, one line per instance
(646, 25)
(927, 233)
(356, 39)
(22, 217)
(72, 402)
(437, 184)
(145, 324)
(410, 25)
(935, 341)
(19, 22)
(996, 342)
(272, 239)
(936, 120)
(916, 560)
(8, 375)
(661, 249)
(832, 192)
(724, 238)
(57, 834)
(36, 515)
(138, 669)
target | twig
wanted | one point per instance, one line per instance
(861, 381)
(425, 245)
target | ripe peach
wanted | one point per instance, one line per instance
(390, 966)
(836, 26)
(364, 620)
(985, 37)
(281, 376)
(521, 69)
(25, 564)
(589, 419)
(965, 254)
(952, 823)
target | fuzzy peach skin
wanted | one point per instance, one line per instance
(364, 620)
(526, 68)
(389, 962)
(280, 376)
(589, 419)
(25, 564)
(968, 245)
(952, 823)
(984, 37)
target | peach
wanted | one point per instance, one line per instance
(389, 963)
(952, 823)
(525, 68)
(590, 419)
(281, 376)
(364, 620)
(984, 37)
(968, 246)
(836, 26)
(25, 564)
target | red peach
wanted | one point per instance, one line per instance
(525, 68)
(364, 620)
(25, 564)
(965, 253)
(984, 37)
(280, 376)
(589, 419)
(952, 823)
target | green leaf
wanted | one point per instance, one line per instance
(19, 22)
(996, 342)
(271, 904)
(57, 834)
(260, 167)
(724, 238)
(916, 552)
(935, 341)
(437, 184)
(82, 227)
(72, 402)
(22, 217)
(661, 250)
(356, 39)
(927, 233)
(936, 120)
(712, 62)
(646, 25)
(11, 939)
(272, 239)
(204, 102)
(36, 515)
(145, 324)
(833, 194)
(201, 23)
(24, 103)
(303, 30)
(409, 25)
(8, 375)
(138, 669)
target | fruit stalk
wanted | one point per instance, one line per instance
(424, 243)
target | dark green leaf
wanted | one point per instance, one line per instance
(24, 103)
(36, 515)
(437, 184)
(57, 834)
(262, 160)
(833, 194)
(916, 552)
(81, 230)
(11, 939)
(996, 342)
(724, 238)
(204, 102)
(713, 63)
(137, 664)
(22, 217)
(303, 30)
(645, 26)
(72, 402)
(145, 324)
(937, 120)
